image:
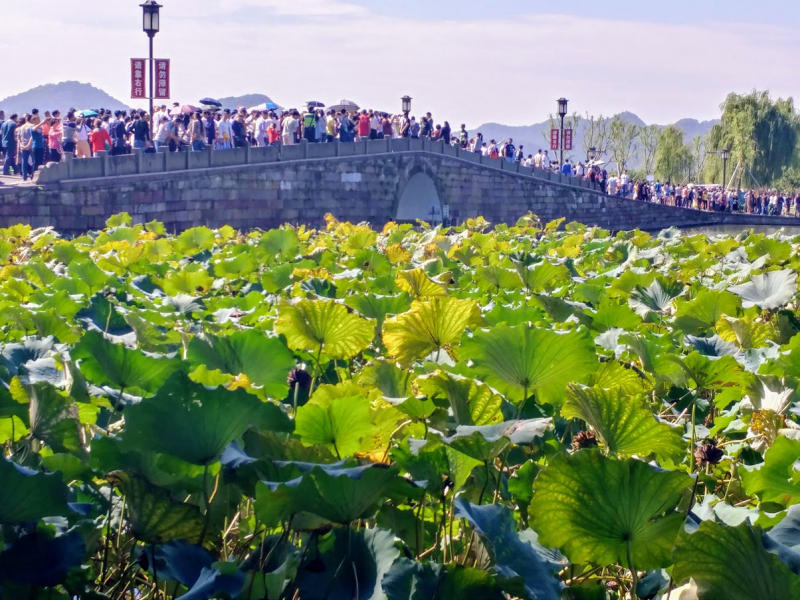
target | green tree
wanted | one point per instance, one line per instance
(622, 142)
(596, 135)
(761, 134)
(650, 136)
(673, 158)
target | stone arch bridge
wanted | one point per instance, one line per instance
(375, 181)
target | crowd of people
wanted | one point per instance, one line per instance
(29, 141)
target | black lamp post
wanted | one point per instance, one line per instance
(562, 112)
(726, 154)
(151, 24)
(406, 105)
(592, 154)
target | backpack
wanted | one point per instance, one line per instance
(493, 153)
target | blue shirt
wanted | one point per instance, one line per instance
(38, 138)
(566, 169)
(7, 132)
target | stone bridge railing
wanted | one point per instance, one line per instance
(141, 163)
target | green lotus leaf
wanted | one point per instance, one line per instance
(265, 361)
(195, 423)
(471, 403)
(185, 281)
(195, 240)
(777, 250)
(768, 291)
(776, 479)
(787, 532)
(335, 492)
(732, 563)
(385, 376)
(513, 558)
(658, 297)
(417, 283)
(28, 496)
(542, 277)
(496, 278)
(625, 424)
(369, 553)
(745, 332)
(133, 371)
(411, 580)
(280, 244)
(431, 325)
(656, 356)
(323, 326)
(613, 375)
(373, 306)
(702, 313)
(53, 418)
(48, 324)
(711, 374)
(236, 267)
(604, 510)
(610, 314)
(486, 442)
(516, 313)
(155, 518)
(91, 279)
(38, 560)
(524, 360)
(340, 425)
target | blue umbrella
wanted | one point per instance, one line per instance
(88, 113)
(211, 102)
(265, 106)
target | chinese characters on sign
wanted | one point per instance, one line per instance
(138, 66)
(162, 79)
(554, 135)
(139, 76)
(568, 139)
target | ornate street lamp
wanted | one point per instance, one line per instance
(592, 154)
(726, 154)
(562, 112)
(151, 24)
(406, 105)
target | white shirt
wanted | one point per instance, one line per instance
(261, 130)
(545, 161)
(624, 179)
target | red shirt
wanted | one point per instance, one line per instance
(363, 125)
(273, 135)
(98, 139)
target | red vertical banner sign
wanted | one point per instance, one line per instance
(568, 139)
(554, 135)
(162, 78)
(138, 73)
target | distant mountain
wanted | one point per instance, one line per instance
(534, 137)
(61, 96)
(247, 100)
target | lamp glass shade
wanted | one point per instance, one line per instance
(406, 103)
(726, 153)
(562, 107)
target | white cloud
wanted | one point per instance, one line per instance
(494, 69)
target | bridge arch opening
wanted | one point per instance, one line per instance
(419, 200)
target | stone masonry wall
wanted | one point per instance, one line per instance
(355, 188)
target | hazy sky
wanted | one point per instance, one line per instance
(467, 61)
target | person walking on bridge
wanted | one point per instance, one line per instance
(310, 125)
(9, 135)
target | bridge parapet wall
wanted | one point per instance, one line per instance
(261, 187)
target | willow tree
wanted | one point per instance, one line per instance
(673, 158)
(760, 133)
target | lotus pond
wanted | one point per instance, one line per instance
(481, 412)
